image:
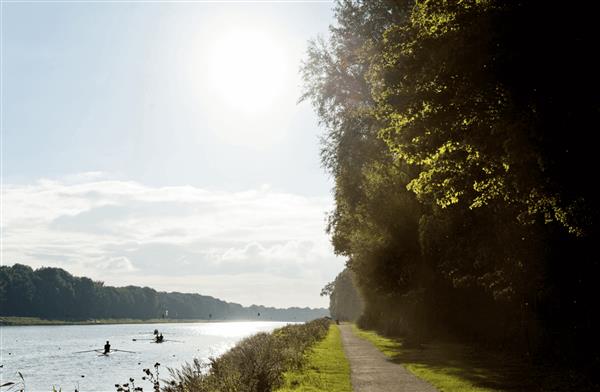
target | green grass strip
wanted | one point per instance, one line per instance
(326, 368)
(444, 366)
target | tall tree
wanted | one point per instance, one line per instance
(456, 134)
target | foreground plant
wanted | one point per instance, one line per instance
(256, 364)
(150, 375)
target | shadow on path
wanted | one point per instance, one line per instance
(371, 371)
(481, 368)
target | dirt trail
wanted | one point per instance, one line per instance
(371, 371)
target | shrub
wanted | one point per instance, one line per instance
(256, 364)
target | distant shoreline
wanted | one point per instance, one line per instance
(24, 321)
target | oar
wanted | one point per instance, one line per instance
(125, 351)
(86, 351)
(172, 340)
(134, 339)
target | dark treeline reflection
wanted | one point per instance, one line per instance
(461, 139)
(54, 293)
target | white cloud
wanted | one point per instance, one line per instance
(115, 264)
(174, 238)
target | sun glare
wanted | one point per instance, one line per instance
(247, 71)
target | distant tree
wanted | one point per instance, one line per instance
(345, 302)
(56, 294)
(19, 287)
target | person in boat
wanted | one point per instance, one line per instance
(107, 347)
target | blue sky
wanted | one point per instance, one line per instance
(162, 144)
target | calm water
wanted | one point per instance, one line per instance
(45, 354)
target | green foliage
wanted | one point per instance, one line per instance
(459, 121)
(256, 364)
(53, 293)
(456, 133)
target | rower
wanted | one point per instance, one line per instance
(107, 347)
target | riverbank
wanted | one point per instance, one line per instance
(17, 321)
(257, 363)
(326, 368)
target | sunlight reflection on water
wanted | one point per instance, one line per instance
(45, 354)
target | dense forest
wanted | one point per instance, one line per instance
(53, 293)
(460, 138)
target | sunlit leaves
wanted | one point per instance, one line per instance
(452, 159)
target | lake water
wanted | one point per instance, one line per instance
(45, 354)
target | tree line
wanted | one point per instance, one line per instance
(460, 138)
(345, 302)
(54, 293)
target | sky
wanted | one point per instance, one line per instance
(162, 144)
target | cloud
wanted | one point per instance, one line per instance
(115, 264)
(124, 232)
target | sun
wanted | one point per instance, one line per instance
(247, 70)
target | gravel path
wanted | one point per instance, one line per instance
(371, 371)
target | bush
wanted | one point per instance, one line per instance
(256, 364)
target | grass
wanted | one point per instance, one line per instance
(453, 367)
(326, 368)
(10, 320)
